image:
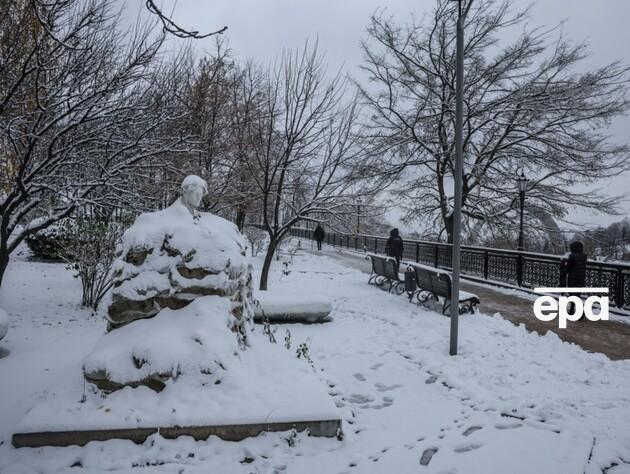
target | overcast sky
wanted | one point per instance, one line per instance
(260, 29)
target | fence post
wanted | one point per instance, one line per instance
(375, 245)
(485, 264)
(436, 251)
(417, 252)
(619, 292)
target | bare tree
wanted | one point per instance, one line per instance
(169, 26)
(527, 108)
(304, 147)
(78, 112)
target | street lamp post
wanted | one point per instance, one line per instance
(459, 165)
(358, 216)
(522, 187)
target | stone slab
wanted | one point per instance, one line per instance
(234, 432)
(288, 318)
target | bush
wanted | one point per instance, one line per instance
(258, 239)
(89, 248)
(49, 243)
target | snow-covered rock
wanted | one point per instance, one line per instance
(195, 341)
(170, 257)
(292, 308)
(4, 323)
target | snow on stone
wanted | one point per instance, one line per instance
(194, 341)
(212, 242)
(298, 306)
(266, 383)
(4, 323)
(170, 257)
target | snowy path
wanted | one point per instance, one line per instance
(611, 337)
(512, 401)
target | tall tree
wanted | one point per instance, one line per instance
(305, 147)
(527, 108)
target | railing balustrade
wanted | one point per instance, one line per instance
(522, 269)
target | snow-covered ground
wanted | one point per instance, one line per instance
(512, 401)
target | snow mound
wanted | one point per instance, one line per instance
(170, 257)
(195, 341)
(4, 323)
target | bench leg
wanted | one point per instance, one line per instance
(422, 296)
(398, 288)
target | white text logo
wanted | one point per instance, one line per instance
(547, 307)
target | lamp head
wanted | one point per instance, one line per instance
(522, 182)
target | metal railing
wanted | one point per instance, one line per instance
(522, 269)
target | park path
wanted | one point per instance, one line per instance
(611, 338)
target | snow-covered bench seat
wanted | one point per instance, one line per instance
(384, 272)
(291, 308)
(434, 283)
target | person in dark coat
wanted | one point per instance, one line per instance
(575, 269)
(394, 246)
(319, 235)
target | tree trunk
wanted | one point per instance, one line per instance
(264, 274)
(448, 227)
(4, 262)
(240, 219)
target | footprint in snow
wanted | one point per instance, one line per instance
(508, 426)
(386, 388)
(428, 453)
(468, 447)
(471, 430)
(387, 402)
(360, 377)
(431, 379)
(357, 398)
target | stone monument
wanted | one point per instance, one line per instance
(168, 259)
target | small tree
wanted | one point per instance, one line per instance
(304, 146)
(90, 251)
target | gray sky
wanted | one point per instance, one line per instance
(260, 29)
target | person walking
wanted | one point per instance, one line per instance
(318, 235)
(394, 246)
(575, 269)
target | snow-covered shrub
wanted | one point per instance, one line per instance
(48, 243)
(4, 323)
(258, 239)
(89, 248)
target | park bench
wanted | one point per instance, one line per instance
(433, 284)
(384, 272)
